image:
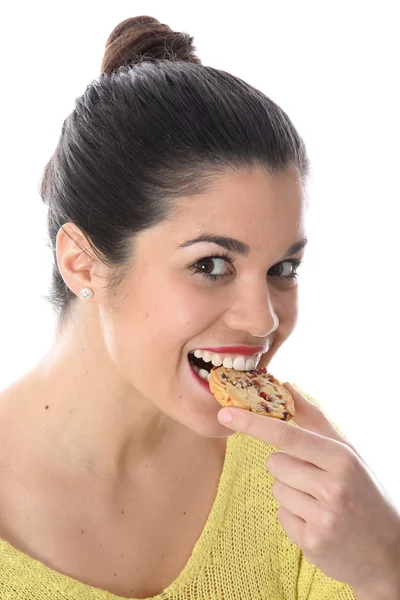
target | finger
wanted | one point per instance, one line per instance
(292, 524)
(310, 416)
(296, 473)
(311, 447)
(298, 503)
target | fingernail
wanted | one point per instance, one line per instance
(224, 416)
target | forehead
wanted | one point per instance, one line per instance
(252, 205)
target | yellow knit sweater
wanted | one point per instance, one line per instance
(243, 553)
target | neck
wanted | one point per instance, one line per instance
(94, 417)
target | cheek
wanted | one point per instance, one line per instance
(287, 310)
(175, 314)
(148, 333)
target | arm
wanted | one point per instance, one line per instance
(388, 590)
(321, 586)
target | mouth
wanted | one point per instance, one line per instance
(202, 361)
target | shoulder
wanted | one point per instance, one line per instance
(14, 468)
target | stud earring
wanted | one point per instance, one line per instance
(86, 293)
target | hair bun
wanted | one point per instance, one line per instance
(144, 38)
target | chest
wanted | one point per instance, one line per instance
(137, 555)
(135, 549)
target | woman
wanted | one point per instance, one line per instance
(176, 215)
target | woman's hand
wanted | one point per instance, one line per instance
(331, 505)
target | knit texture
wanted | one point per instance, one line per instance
(243, 552)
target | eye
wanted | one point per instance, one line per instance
(213, 267)
(294, 264)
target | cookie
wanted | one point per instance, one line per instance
(257, 391)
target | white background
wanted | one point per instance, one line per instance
(334, 69)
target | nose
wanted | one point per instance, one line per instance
(252, 310)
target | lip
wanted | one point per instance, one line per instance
(239, 350)
(204, 384)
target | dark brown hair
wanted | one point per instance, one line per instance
(145, 38)
(154, 126)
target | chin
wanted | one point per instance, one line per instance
(215, 431)
(206, 425)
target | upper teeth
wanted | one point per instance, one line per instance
(239, 363)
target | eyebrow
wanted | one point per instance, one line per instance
(238, 247)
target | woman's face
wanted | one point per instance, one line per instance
(215, 280)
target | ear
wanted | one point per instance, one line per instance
(75, 259)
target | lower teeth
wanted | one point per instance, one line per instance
(204, 374)
(201, 373)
